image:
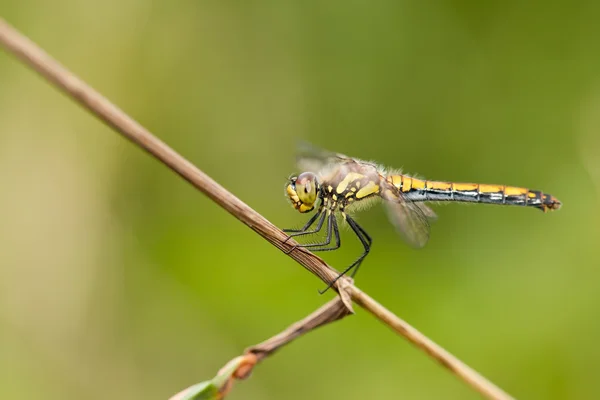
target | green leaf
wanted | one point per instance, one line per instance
(201, 391)
(210, 390)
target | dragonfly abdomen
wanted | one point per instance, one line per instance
(424, 190)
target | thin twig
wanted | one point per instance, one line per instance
(332, 311)
(243, 365)
(36, 58)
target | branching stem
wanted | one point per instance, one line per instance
(33, 56)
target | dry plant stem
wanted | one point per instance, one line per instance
(333, 311)
(330, 312)
(36, 58)
(85, 95)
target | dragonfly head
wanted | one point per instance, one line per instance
(302, 191)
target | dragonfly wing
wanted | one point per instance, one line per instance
(412, 220)
(429, 213)
(312, 158)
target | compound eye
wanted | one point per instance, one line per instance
(306, 188)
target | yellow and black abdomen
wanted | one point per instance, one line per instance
(424, 190)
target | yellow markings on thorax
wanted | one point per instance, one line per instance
(350, 177)
(531, 195)
(515, 191)
(369, 189)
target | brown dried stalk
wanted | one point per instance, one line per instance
(243, 365)
(29, 53)
(332, 311)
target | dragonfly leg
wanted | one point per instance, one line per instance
(336, 234)
(367, 247)
(304, 230)
(331, 227)
(366, 241)
(307, 225)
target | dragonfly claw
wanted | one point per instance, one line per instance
(290, 250)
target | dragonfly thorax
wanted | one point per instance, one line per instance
(303, 191)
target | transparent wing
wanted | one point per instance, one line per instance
(412, 220)
(312, 158)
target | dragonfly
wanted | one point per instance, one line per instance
(335, 185)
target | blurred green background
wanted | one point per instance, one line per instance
(119, 280)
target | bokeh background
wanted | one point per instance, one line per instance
(119, 280)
